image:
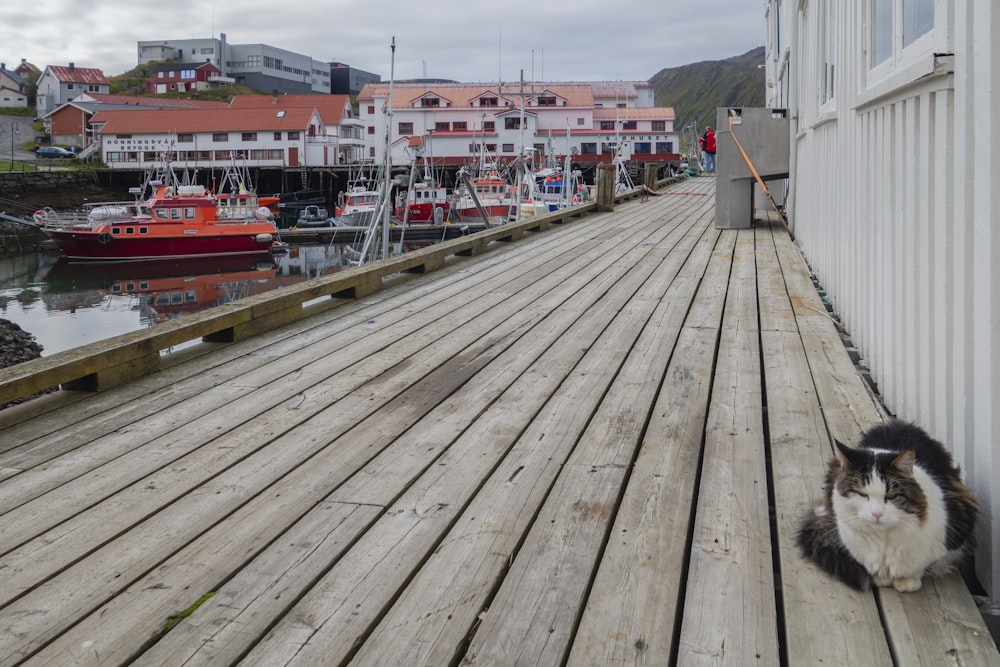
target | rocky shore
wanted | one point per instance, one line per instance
(16, 346)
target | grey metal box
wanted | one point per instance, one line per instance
(763, 133)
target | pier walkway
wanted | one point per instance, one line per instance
(586, 446)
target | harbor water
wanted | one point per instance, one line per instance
(65, 305)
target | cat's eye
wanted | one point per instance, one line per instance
(891, 496)
(863, 495)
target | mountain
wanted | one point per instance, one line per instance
(695, 90)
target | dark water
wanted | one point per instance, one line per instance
(66, 305)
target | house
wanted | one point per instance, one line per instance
(551, 120)
(11, 88)
(69, 124)
(276, 136)
(185, 78)
(893, 199)
(344, 130)
(25, 68)
(58, 85)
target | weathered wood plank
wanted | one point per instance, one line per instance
(635, 601)
(729, 603)
(800, 449)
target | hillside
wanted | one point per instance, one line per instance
(695, 90)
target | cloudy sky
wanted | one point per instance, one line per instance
(558, 40)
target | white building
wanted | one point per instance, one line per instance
(894, 199)
(58, 85)
(464, 119)
(208, 138)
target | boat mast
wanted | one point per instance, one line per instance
(387, 163)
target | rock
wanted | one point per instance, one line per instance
(17, 346)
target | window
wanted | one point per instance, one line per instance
(580, 120)
(248, 136)
(460, 126)
(487, 101)
(277, 136)
(508, 148)
(588, 148)
(642, 147)
(512, 123)
(184, 138)
(664, 147)
(294, 136)
(659, 126)
(442, 127)
(430, 102)
(607, 125)
(546, 101)
(406, 128)
(220, 137)
(489, 126)
(828, 33)
(629, 125)
(371, 129)
(896, 24)
(371, 110)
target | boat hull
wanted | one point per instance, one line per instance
(91, 246)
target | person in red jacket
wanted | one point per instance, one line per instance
(707, 144)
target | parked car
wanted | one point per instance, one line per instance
(54, 152)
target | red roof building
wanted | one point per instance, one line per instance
(58, 85)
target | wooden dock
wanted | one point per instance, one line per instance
(586, 446)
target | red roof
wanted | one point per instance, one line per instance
(139, 100)
(78, 75)
(158, 121)
(331, 107)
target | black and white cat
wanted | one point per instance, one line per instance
(895, 508)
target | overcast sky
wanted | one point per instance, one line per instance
(470, 41)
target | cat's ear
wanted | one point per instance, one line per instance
(843, 453)
(904, 463)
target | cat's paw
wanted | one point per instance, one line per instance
(907, 584)
(881, 581)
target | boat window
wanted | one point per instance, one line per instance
(144, 230)
(176, 297)
(129, 287)
(162, 300)
(116, 230)
(129, 230)
(144, 285)
(175, 214)
(116, 288)
(190, 296)
(189, 213)
(162, 214)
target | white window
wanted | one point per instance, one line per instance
(828, 33)
(896, 24)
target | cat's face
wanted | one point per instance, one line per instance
(875, 490)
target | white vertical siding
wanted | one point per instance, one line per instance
(896, 204)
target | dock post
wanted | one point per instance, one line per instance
(606, 179)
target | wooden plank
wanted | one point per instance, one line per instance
(800, 449)
(729, 607)
(634, 602)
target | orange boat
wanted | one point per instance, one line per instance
(176, 221)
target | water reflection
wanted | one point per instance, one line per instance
(65, 305)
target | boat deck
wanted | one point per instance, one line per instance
(587, 446)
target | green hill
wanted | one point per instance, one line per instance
(695, 90)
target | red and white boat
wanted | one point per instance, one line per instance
(176, 221)
(494, 194)
(425, 200)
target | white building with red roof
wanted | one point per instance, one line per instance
(58, 85)
(270, 136)
(465, 120)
